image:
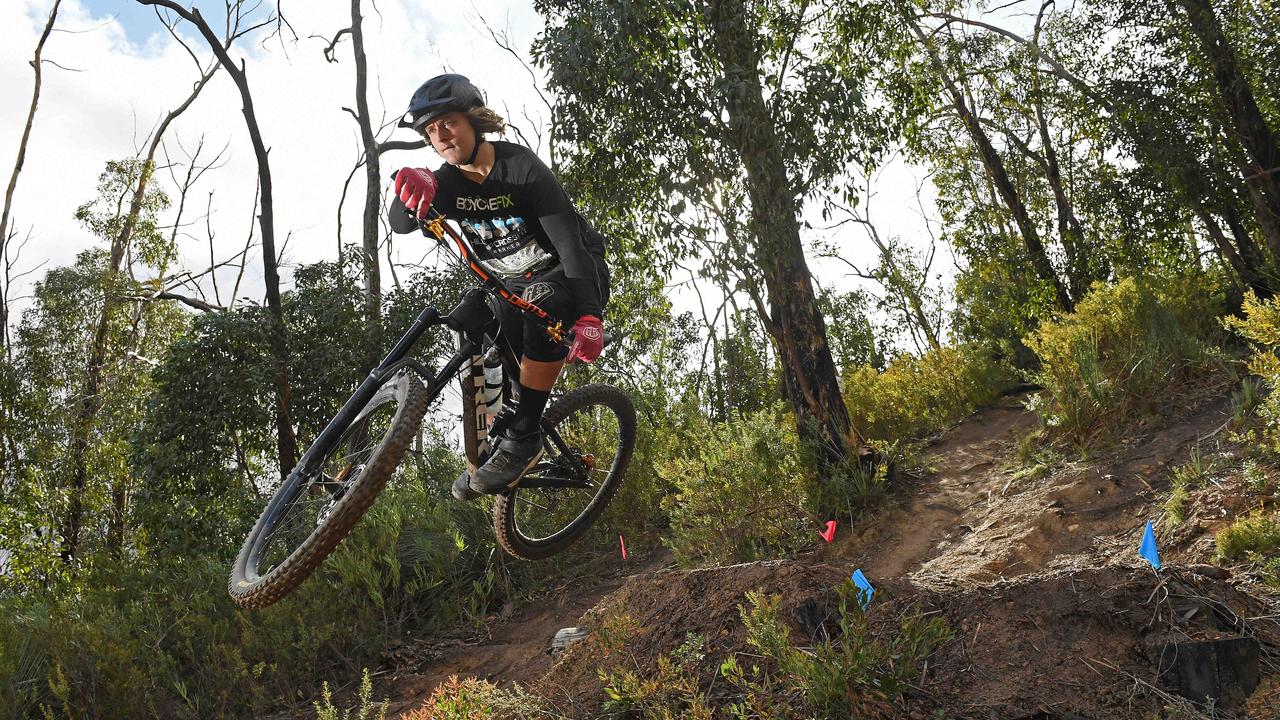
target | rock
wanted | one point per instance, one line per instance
(1226, 670)
(566, 637)
(1210, 571)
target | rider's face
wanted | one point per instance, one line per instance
(452, 136)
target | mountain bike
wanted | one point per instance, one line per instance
(589, 434)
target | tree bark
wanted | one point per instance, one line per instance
(799, 330)
(1251, 129)
(999, 176)
(1070, 231)
(286, 442)
(373, 187)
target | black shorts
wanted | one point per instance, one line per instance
(525, 334)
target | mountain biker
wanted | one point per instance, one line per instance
(523, 228)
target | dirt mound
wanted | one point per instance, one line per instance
(513, 646)
(987, 514)
(1071, 643)
(1081, 642)
(653, 614)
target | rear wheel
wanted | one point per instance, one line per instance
(559, 499)
(311, 513)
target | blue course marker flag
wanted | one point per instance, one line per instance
(864, 587)
(1148, 548)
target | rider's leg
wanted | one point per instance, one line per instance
(537, 378)
(520, 445)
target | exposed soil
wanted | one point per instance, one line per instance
(514, 648)
(1037, 573)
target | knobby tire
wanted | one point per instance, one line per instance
(505, 525)
(303, 561)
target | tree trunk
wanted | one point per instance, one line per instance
(1069, 229)
(373, 188)
(90, 398)
(809, 372)
(286, 443)
(1251, 128)
(999, 176)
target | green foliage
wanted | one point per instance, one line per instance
(998, 302)
(474, 699)
(327, 710)
(669, 692)
(1256, 535)
(839, 674)
(740, 490)
(1120, 351)
(1192, 474)
(155, 639)
(49, 375)
(916, 396)
(1260, 325)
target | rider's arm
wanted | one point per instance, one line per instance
(563, 227)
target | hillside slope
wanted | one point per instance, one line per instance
(1030, 557)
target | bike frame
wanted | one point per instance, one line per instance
(398, 359)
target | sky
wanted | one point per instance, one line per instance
(123, 72)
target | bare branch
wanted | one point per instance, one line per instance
(390, 145)
(36, 64)
(328, 51)
(166, 295)
(62, 67)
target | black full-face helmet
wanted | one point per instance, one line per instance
(438, 96)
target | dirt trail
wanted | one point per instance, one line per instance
(1008, 557)
(977, 519)
(514, 646)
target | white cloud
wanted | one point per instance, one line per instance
(103, 113)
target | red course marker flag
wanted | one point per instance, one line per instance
(623, 543)
(830, 533)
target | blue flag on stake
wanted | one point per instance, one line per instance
(1148, 548)
(864, 587)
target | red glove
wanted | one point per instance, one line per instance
(588, 339)
(416, 188)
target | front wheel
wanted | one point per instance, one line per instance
(559, 499)
(312, 512)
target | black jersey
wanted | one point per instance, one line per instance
(519, 220)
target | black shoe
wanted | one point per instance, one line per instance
(462, 491)
(513, 457)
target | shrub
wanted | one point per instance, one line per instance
(153, 639)
(1260, 325)
(839, 675)
(328, 711)
(740, 490)
(1256, 534)
(670, 692)
(1122, 347)
(917, 396)
(472, 699)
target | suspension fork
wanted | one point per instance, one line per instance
(395, 360)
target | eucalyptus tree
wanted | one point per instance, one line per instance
(710, 123)
(1245, 121)
(239, 21)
